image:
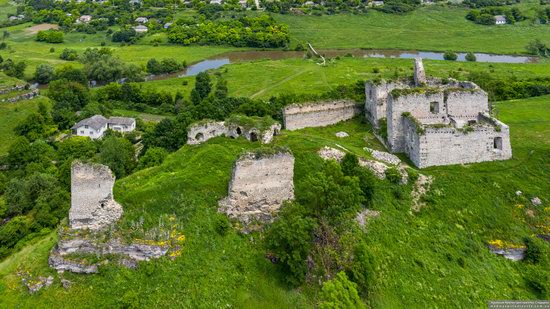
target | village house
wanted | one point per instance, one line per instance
(216, 2)
(377, 3)
(142, 20)
(167, 25)
(141, 29)
(500, 20)
(96, 126)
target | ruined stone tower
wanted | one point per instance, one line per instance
(419, 73)
(92, 203)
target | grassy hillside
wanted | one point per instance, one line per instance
(428, 28)
(11, 114)
(433, 258)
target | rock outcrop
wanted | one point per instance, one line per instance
(92, 203)
(260, 184)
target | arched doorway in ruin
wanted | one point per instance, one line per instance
(253, 136)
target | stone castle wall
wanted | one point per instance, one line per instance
(448, 145)
(259, 186)
(376, 99)
(299, 116)
(467, 104)
(92, 203)
(202, 132)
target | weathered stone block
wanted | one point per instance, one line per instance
(92, 203)
(260, 183)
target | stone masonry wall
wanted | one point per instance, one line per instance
(92, 203)
(299, 116)
(445, 146)
(204, 131)
(376, 99)
(467, 104)
(259, 186)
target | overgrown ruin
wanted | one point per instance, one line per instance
(436, 122)
(261, 129)
(260, 183)
(92, 232)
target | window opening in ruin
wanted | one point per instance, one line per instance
(239, 131)
(471, 122)
(275, 132)
(497, 143)
(434, 107)
(199, 136)
(253, 136)
(102, 205)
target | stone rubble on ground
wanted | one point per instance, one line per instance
(518, 193)
(342, 134)
(328, 153)
(383, 156)
(514, 254)
(536, 201)
(421, 187)
(364, 216)
(35, 285)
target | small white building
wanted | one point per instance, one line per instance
(142, 20)
(167, 25)
(216, 2)
(141, 29)
(377, 3)
(243, 3)
(84, 19)
(95, 126)
(500, 20)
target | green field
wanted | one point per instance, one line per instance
(436, 28)
(265, 78)
(436, 257)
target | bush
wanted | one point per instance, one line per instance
(450, 56)
(50, 36)
(471, 57)
(393, 175)
(340, 292)
(68, 54)
(44, 73)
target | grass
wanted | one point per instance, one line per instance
(11, 114)
(144, 116)
(432, 258)
(262, 79)
(437, 28)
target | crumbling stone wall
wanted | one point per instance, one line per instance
(299, 116)
(450, 145)
(419, 73)
(376, 94)
(204, 131)
(259, 185)
(92, 203)
(25, 96)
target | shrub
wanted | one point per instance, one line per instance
(471, 57)
(44, 73)
(50, 36)
(449, 55)
(393, 175)
(68, 54)
(340, 292)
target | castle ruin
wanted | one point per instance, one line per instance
(260, 183)
(436, 122)
(92, 203)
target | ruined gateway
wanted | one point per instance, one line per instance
(436, 122)
(260, 184)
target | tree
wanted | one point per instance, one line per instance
(118, 154)
(449, 55)
(68, 54)
(202, 88)
(33, 127)
(340, 293)
(290, 239)
(44, 73)
(153, 156)
(537, 47)
(471, 57)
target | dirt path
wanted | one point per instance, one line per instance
(35, 29)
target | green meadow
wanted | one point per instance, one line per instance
(262, 79)
(434, 258)
(431, 28)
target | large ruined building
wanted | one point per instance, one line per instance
(436, 122)
(260, 183)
